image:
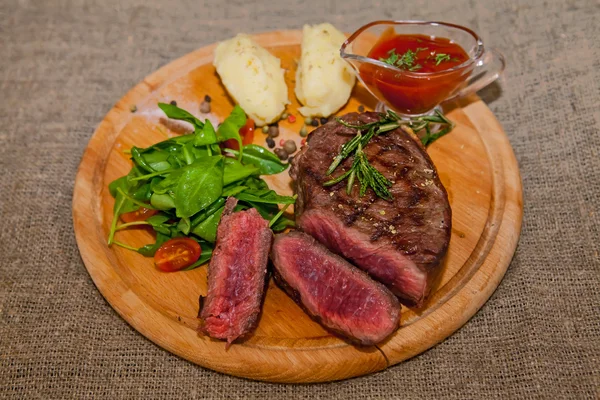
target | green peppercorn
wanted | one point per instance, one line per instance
(303, 131)
(284, 115)
(265, 129)
(308, 120)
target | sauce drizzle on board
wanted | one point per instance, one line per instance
(424, 73)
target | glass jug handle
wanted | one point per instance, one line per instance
(487, 70)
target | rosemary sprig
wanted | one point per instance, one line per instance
(403, 61)
(361, 169)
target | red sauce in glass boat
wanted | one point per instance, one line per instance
(417, 86)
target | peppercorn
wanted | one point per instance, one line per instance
(173, 103)
(284, 115)
(270, 142)
(361, 108)
(207, 98)
(290, 159)
(281, 153)
(265, 129)
(308, 120)
(133, 108)
(323, 121)
(315, 122)
(289, 146)
(291, 118)
(273, 131)
(303, 131)
(205, 107)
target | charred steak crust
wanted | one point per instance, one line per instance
(236, 274)
(334, 293)
(400, 243)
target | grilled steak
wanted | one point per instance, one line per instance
(338, 295)
(401, 242)
(236, 274)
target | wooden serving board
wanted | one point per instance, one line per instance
(475, 163)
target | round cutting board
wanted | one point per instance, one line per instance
(475, 162)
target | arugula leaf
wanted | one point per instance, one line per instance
(266, 210)
(270, 197)
(235, 171)
(157, 219)
(266, 162)
(119, 201)
(149, 249)
(187, 153)
(230, 128)
(282, 224)
(184, 226)
(118, 183)
(158, 223)
(142, 193)
(168, 183)
(207, 212)
(124, 204)
(180, 114)
(206, 135)
(207, 229)
(256, 183)
(162, 201)
(140, 161)
(232, 190)
(199, 184)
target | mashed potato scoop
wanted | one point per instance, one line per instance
(324, 81)
(253, 77)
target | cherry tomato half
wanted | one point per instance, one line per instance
(247, 134)
(141, 214)
(176, 254)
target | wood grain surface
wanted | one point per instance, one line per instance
(475, 162)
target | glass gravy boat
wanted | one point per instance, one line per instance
(413, 93)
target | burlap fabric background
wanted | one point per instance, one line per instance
(63, 64)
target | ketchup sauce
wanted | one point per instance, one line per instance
(424, 73)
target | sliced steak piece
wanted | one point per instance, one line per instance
(335, 293)
(236, 274)
(401, 242)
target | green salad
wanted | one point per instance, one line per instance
(178, 188)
